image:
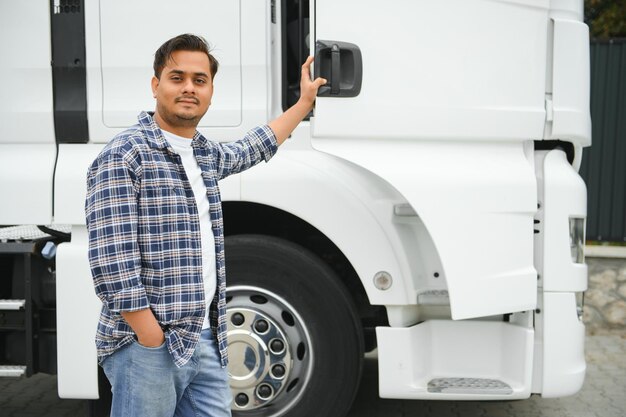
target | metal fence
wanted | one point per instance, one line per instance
(604, 164)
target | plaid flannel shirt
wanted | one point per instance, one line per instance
(144, 233)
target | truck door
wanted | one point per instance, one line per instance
(442, 100)
(126, 71)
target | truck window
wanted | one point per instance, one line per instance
(295, 47)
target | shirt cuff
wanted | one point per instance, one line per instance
(266, 140)
(129, 299)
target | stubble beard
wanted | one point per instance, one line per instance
(178, 119)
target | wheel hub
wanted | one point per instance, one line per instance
(271, 360)
(259, 357)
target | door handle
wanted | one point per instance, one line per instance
(341, 64)
(335, 69)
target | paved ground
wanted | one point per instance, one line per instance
(603, 395)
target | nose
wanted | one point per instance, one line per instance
(188, 86)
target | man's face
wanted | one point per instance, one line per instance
(183, 93)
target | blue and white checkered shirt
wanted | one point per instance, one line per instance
(144, 233)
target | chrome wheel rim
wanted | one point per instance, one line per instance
(269, 349)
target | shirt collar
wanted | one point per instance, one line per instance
(155, 136)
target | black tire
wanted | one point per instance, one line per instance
(296, 292)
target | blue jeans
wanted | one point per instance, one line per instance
(146, 383)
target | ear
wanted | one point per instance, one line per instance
(154, 83)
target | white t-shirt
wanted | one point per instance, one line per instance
(182, 146)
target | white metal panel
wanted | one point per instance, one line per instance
(131, 32)
(537, 383)
(250, 95)
(353, 208)
(564, 197)
(98, 132)
(563, 345)
(568, 9)
(26, 173)
(571, 82)
(304, 186)
(77, 318)
(410, 357)
(25, 74)
(256, 46)
(71, 182)
(477, 202)
(477, 73)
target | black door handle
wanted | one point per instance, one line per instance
(335, 69)
(341, 64)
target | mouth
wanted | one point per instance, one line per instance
(187, 100)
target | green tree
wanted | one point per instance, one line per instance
(606, 18)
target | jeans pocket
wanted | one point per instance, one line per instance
(153, 348)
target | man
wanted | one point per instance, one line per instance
(156, 244)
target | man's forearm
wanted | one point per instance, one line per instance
(287, 122)
(145, 326)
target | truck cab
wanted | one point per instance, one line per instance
(430, 207)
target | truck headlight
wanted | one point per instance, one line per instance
(577, 239)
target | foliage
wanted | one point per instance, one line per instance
(606, 18)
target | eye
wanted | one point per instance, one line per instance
(175, 78)
(201, 81)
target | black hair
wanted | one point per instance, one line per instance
(184, 42)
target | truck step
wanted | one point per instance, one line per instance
(29, 232)
(12, 371)
(12, 304)
(469, 386)
(434, 297)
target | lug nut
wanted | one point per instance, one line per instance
(278, 371)
(277, 346)
(264, 391)
(241, 399)
(237, 319)
(261, 326)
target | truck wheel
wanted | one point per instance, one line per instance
(295, 341)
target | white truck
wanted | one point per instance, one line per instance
(430, 208)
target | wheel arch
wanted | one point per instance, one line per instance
(340, 202)
(250, 218)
